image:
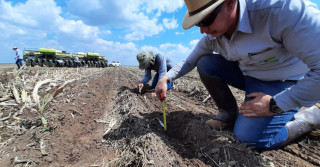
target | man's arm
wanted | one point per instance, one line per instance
(203, 47)
(146, 77)
(163, 65)
(299, 31)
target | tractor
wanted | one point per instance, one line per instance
(47, 57)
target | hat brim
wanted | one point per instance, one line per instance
(190, 21)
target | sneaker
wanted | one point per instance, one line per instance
(310, 115)
(304, 122)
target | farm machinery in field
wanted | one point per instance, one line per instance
(58, 58)
(90, 59)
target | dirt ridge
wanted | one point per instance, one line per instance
(101, 120)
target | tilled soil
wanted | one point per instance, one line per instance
(100, 119)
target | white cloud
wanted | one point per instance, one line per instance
(116, 51)
(27, 25)
(77, 30)
(151, 48)
(139, 17)
(36, 23)
(166, 46)
(170, 23)
(179, 33)
(167, 6)
(47, 28)
(106, 32)
(193, 43)
(36, 20)
(178, 52)
(145, 28)
(32, 15)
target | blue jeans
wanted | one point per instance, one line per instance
(259, 132)
(155, 81)
(19, 63)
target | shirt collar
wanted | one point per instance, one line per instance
(244, 23)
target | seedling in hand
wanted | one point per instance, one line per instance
(164, 112)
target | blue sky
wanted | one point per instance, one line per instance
(117, 29)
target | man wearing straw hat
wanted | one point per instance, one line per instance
(160, 64)
(18, 57)
(267, 49)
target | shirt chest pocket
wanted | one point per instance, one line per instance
(266, 57)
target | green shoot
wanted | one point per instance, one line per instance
(44, 122)
(44, 102)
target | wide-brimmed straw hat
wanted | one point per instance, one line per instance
(145, 58)
(197, 10)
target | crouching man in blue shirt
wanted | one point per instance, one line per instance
(160, 64)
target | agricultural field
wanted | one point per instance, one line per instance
(95, 117)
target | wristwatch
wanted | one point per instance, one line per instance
(275, 108)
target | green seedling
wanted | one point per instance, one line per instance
(48, 97)
(44, 103)
(164, 112)
(44, 122)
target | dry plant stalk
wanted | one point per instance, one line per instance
(49, 96)
(23, 95)
(206, 99)
(42, 147)
(35, 95)
(5, 98)
(16, 94)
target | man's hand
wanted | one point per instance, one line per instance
(259, 106)
(140, 86)
(162, 87)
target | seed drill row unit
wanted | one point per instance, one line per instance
(57, 58)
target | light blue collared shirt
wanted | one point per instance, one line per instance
(275, 40)
(162, 65)
(18, 54)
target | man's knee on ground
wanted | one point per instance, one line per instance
(257, 140)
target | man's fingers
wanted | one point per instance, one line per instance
(164, 94)
(250, 115)
(158, 93)
(254, 94)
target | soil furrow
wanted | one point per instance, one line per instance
(102, 120)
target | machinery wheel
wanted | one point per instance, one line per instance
(27, 63)
(45, 63)
(32, 63)
(71, 64)
(40, 63)
(49, 64)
